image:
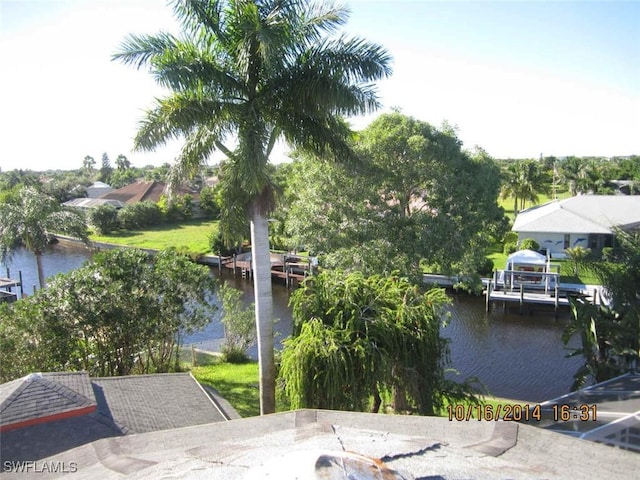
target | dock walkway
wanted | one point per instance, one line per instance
(536, 288)
(290, 268)
(7, 284)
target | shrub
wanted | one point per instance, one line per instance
(510, 237)
(529, 244)
(509, 248)
(607, 254)
(140, 215)
(104, 219)
(209, 203)
(486, 267)
(239, 325)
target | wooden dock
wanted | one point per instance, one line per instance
(7, 284)
(291, 268)
(524, 297)
(530, 288)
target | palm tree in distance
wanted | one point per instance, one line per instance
(524, 180)
(30, 221)
(249, 72)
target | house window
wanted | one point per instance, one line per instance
(567, 241)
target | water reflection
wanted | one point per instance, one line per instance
(515, 356)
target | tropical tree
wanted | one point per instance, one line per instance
(122, 162)
(577, 256)
(610, 332)
(250, 72)
(88, 165)
(523, 181)
(31, 222)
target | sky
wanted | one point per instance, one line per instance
(518, 79)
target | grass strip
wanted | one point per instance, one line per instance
(190, 237)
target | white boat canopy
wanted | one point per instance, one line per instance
(525, 257)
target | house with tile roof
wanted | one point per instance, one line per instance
(588, 221)
(46, 413)
(150, 191)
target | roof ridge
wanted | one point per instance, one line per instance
(22, 385)
(67, 392)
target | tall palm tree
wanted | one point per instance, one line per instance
(251, 71)
(30, 222)
(524, 180)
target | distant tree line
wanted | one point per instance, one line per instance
(525, 180)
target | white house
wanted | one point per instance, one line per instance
(585, 220)
(97, 189)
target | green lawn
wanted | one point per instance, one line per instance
(543, 198)
(237, 383)
(190, 237)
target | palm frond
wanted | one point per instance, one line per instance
(197, 16)
(354, 60)
(321, 18)
(191, 65)
(178, 115)
(321, 136)
(140, 50)
(198, 147)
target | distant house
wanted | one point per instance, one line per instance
(97, 189)
(46, 413)
(89, 203)
(150, 191)
(585, 220)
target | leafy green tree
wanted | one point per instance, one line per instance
(529, 244)
(239, 324)
(413, 197)
(31, 222)
(16, 179)
(356, 339)
(610, 333)
(250, 72)
(121, 178)
(122, 313)
(209, 202)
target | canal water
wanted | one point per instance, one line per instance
(514, 356)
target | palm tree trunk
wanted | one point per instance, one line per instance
(264, 310)
(40, 269)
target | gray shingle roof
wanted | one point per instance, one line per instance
(39, 397)
(140, 402)
(117, 406)
(581, 214)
